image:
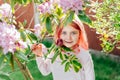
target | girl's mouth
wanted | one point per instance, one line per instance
(68, 41)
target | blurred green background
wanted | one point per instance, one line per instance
(106, 68)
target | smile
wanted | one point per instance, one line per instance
(68, 41)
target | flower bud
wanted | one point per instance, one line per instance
(59, 42)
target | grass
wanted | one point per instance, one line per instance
(17, 75)
(105, 69)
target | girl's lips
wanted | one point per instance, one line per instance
(68, 41)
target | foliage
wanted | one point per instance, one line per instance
(107, 23)
(17, 48)
(106, 66)
(103, 64)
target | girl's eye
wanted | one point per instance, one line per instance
(73, 33)
(64, 33)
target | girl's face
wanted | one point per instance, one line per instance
(70, 36)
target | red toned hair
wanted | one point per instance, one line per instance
(77, 24)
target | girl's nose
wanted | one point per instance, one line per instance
(68, 37)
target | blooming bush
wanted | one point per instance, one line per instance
(15, 43)
(45, 7)
(11, 42)
(73, 5)
(5, 11)
(10, 38)
(107, 23)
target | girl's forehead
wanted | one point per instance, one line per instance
(69, 27)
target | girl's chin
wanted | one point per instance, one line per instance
(72, 46)
(69, 46)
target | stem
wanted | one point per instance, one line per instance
(24, 69)
(44, 35)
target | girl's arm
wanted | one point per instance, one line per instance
(89, 68)
(44, 65)
(87, 64)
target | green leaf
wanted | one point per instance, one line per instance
(69, 18)
(2, 59)
(22, 34)
(19, 1)
(67, 66)
(1, 51)
(66, 49)
(75, 68)
(29, 54)
(64, 61)
(31, 57)
(24, 23)
(48, 25)
(12, 3)
(55, 55)
(12, 61)
(61, 56)
(59, 11)
(4, 76)
(24, 1)
(84, 18)
(76, 65)
(47, 42)
(65, 56)
(28, 50)
(38, 1)
(33, 36)
(118, 36)
(8, 56)
(20, 55)
(52, 47)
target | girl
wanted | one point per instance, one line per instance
(73, 36)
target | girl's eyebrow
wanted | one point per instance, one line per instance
(74, 31)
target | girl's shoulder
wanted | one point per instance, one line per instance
(84, 53)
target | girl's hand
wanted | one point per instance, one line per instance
(37, 49)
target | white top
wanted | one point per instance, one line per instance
(86, 73)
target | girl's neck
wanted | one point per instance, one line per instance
(76, 48)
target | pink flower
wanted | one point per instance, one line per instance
(65, 4)
(73, 5)
(44, 49)
(21, 44)
(5, 10)
(8, 38)
(54, 1)
(38, 29)
(45, 7)
(59, 42)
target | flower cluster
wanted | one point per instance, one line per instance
(10, 38)
(73, 5)
(45, 7)
(5, 11)
(37, 30)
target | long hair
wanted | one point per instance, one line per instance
(77, 24)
